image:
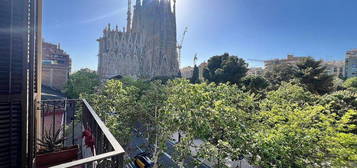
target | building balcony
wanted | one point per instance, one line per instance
(82, 137)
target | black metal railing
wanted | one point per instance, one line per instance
(73, 117)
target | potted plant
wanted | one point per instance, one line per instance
(52, 153)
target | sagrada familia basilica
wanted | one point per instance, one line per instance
(146, 48)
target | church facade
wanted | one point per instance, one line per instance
(146, 48)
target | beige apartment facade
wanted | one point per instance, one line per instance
(291, 59)
(56, 66)
(336, 68)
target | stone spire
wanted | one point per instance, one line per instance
(169, 5)
(128, 26)
(175, 8)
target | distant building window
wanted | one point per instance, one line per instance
(354, 66)
(57, 56)
(60, 62)
(52, 62)
(47, 62)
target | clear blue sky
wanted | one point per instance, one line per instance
(251, 29)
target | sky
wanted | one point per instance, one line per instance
(255, 30)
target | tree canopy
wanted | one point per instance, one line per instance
(225, 68)
(195, 75)
(313, 75)
(255, 84)
(297, 122)
(280, 73)
(82, 81)
(351, 83)
(289, 127)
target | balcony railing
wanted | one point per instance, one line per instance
(73, 118)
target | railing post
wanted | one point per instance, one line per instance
(54, 119)
(73, 119)
(43, 118)
(64, 119)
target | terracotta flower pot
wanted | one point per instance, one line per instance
(55, 158)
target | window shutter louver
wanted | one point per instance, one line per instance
(13, 82)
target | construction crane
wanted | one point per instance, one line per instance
(179, 46)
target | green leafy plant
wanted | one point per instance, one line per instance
(83, 81)
(279, 73)
(291, 126)
(225, 68)
(312, 74)
(51, 142)
(351, 83)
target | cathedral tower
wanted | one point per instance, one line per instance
(147, 49)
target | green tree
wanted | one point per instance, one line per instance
(338, 84)
(151, 105)
(289, 129)
(225, 68)
(216, 114)
(340, 102)
(182, 103)
(351, 83)
(195, 75)
(80, 82)
(294, 130)
(280, 73)
(313, 75)
(255, 84)
(342, 144)
(117, 107)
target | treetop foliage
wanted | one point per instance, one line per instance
(255, 84)
(289, 127)
(225, 68)
(351, 83)
(82, 81)
(312, 74)
(280, 73)
(195, 75)
(290, 117)
(309, 73)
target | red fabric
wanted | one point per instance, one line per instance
(89, 140)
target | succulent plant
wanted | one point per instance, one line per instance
(51, 142)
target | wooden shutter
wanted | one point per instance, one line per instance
(13, 82)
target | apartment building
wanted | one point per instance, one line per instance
(56, 66)
(290, 59)
(336, 68)
(351, 64)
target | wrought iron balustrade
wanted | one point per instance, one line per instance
(73, 117)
